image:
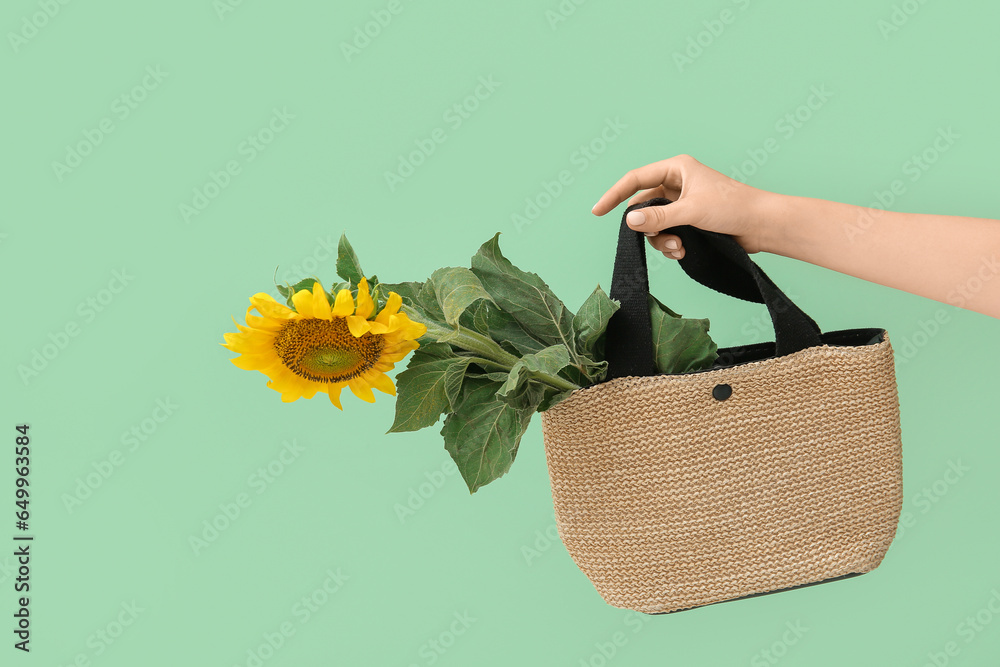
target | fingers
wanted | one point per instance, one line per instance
(658, 191)
(653, 219)
(669, 244)
(667, 173)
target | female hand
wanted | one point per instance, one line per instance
(701, 196)
(947, 258)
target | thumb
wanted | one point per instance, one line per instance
(653, 219)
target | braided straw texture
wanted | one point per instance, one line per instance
(668, 499)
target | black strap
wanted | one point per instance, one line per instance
(715, 260)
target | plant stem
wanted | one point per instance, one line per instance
(554, 381)
(473, 341)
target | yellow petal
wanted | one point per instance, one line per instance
(361, 389)
(321, 306)
(291, 396)
(233, 339)
(268, 307)
(335, 394)
(402, 346)
(381, 381)
(284, 380)
(391, 307)
(263, 323)
(303, 300)
(376, 327)
(255, 362)
(365, 303)
(344, 304)
(255, 343)
(359, 326)
(398, 352)
(406, 326)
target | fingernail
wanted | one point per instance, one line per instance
(635, 218)
(650, 233)
(671, 244)
(675, 254)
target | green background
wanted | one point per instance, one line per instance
(334, 506)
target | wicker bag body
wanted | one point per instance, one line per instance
(781, 466)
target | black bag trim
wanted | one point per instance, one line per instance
(719, 262)
(743, 354)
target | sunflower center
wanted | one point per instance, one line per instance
(326, 351)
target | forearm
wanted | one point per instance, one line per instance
(950, 259)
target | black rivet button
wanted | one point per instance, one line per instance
(722, 391)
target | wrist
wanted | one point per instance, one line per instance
(771, 216)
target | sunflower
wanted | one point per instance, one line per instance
(318, 348)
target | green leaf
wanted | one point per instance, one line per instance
(514, 385)
(456, 288)
(429, 386)
(552, 397)
(680, 344)
(524, 296)
(482, 435)
(487, 318)
(407, 291)
(290, 290)
(551, 360)
(521, 389)
(348, 265)
(427, 304)
(494, 376)
(591, 321)
(594, 371)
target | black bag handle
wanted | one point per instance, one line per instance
(715, 260)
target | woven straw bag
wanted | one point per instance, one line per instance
(779, 467)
